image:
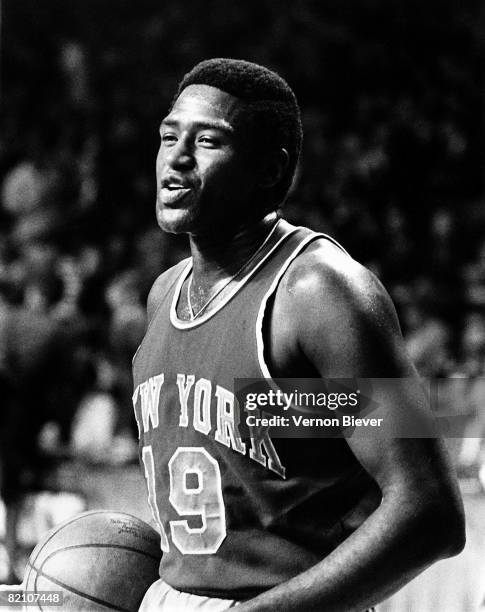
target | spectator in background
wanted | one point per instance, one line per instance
(427, 333)
(42, 382)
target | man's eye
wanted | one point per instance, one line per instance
(169, 139)
(208, 141)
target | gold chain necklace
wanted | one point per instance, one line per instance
(239, 271)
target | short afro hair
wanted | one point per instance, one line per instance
(270, 107)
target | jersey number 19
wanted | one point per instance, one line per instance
(205, 500)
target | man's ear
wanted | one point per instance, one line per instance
(273, 167)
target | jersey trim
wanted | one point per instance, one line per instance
(159, 305)
(179, 324)
(262, 309)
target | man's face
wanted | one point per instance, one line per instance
(203, 176)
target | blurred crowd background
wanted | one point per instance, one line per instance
(392, 101)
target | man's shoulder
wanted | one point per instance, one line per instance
(337, 312)
(163, 283)
(326, 275)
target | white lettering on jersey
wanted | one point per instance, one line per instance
(150, 397)
(227, 417)
(259, 438)
(226, 432)
(202, 406)
(205, 501)
(184, 384)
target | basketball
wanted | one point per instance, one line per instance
(98, 560)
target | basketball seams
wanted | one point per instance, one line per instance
(101, 602)
(40, 573)
(65, 524)
(54, 532)
(93, 545)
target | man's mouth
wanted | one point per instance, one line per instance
(172, 193)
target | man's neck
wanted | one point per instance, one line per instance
(215, 259)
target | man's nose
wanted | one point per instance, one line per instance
(181, 155)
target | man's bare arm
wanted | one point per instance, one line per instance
(345, 326)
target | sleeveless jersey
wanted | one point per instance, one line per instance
(237, 516)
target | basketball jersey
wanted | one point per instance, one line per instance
(237, 516)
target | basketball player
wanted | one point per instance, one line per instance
(263, 523)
